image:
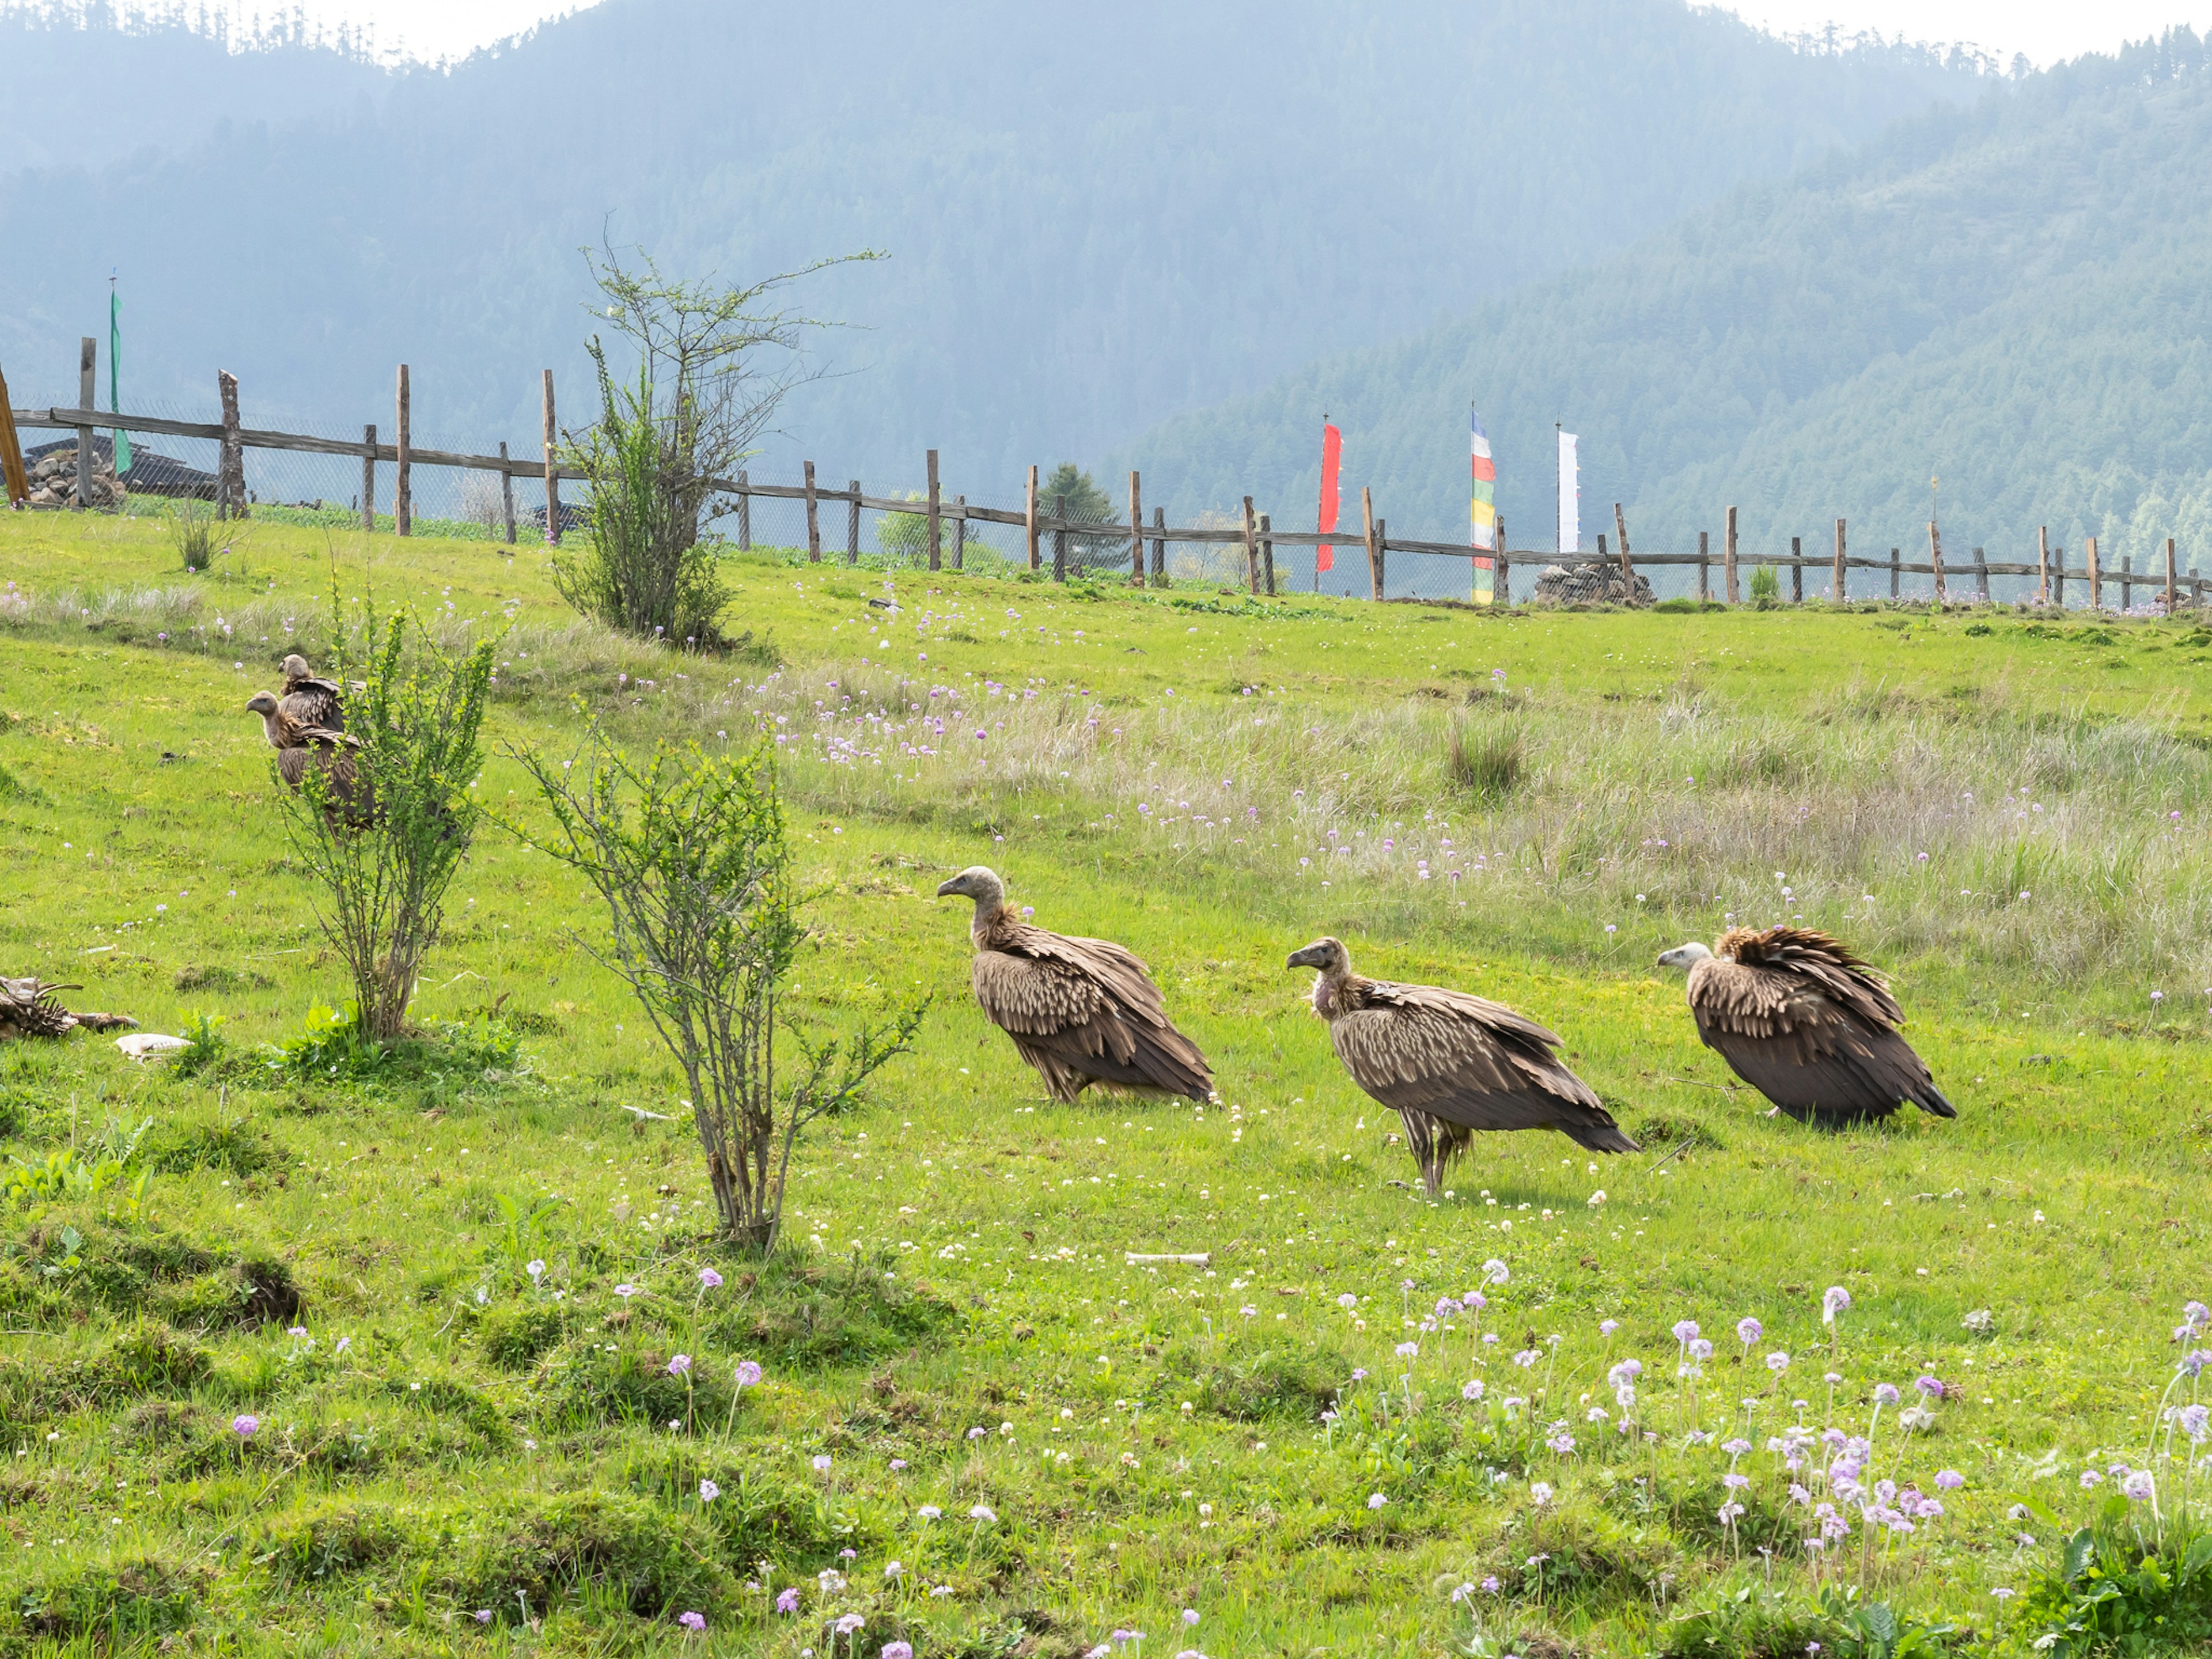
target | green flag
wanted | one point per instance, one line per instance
(114, 378)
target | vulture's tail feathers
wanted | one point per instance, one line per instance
(1930, 1099)
(1599, 1137)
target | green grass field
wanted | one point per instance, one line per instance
(452, 1455)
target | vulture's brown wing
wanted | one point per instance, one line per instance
(314, 702)
(1820, 1051)
(1084, 1010)
(1469, 1062)
(331, 755)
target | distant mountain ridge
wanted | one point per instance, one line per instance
(1095, 218)
(2015, 298)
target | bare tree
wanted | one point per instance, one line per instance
(713, 366)
(691, 856)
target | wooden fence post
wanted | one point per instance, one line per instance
(1628, 571)
(1704, 570)
(1501, 588)
(1796, 570)
(1159, 547)
(1251, 549)
(2127, 580)
(2043, 564)
(1728, 559)
(1059, 538)
(18, 491)
(814, 520)
(936, 524)
(2171, 598)
(744, 511)
(1839, 582)
(2096, 578)
(1935, 560)
(553, 470)
(230, 477)
(1030, 508)
(1981, 577)
(1896, 571)
(1266, 555)
(87, 393)
(1374, 548)
(1136, 532)
(1382, 555)
(2058, 578)
(368, 479)
(959, 532)
(507, 497)
(853, 527)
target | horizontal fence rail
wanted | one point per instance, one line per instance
(1089, 544)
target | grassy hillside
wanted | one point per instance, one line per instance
(450, 1455)
(2009, 297)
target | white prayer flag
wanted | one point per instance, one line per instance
(1570, 497)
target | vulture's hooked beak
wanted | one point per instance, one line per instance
(949, 888)
(1684, 957)
(1313, 956)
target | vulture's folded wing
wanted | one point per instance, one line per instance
(1469, 1062)
(1812, 1049)
(315, 702)
(1084, 1010)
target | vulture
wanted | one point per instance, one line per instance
(1450, 1064)
(1806, 1024)
(299, 746)
(29, 1008)
(309, 702)
(1080, 1011)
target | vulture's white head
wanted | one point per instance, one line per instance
(1685, 957)
(977, 882)
(295, 668)
(1326, 955)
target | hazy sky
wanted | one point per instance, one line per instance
(2046, 30)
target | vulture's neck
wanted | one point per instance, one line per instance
(277, 729)
(995, 927)
(1338, 994)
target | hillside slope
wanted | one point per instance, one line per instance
(2012, 298)
(1093, 221)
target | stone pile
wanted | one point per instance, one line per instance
(52, 478)
(1589, 584)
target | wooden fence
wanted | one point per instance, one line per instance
(947, 521)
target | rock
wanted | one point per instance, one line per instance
(1589, 584)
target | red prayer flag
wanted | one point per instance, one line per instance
(1332, 453)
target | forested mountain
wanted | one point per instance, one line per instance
(2015, 298)
(1096, 215)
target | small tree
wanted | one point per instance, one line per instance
(385, 847)
(714, 365)
(1086, 504)
(691, 856)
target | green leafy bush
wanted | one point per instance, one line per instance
(2117, 1591)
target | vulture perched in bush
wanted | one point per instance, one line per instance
(299, 746)
(1080, 1011)
(1806, 1024)
(1450, 1064)
(309, 702)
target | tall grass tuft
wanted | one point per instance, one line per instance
(192, 533)
(1490, 763)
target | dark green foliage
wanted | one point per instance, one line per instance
(760, 1515)
(1752, 1621)
(515, 1334)
(1489, 762)
(1566, 1555)
(337, 1536)
(632, 1384)
(848, 1315)
(145, 1358)
(106, 1602)
(542, 1548)
(2120, 1589)
(1250, 1382)
(236, 1146)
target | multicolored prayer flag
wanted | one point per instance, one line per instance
(1482, 508)
(1331, 456)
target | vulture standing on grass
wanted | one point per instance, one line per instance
(1450, 1064)
(1806, 1024)
(1080, 1011)
(309, 702)
(299, 746)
